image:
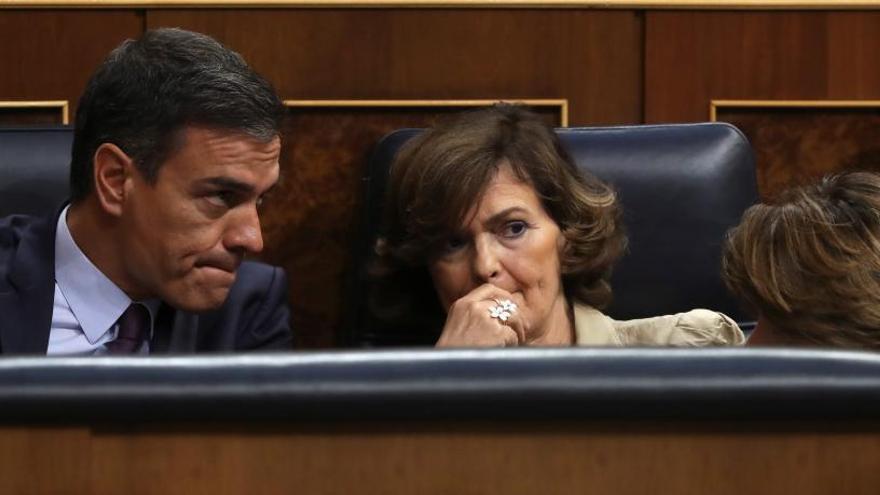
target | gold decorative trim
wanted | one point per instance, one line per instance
(597, 4)
(61, 105)
(561, 104)
(714, 105)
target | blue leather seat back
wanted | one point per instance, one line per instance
(681, 187)
(34, 169)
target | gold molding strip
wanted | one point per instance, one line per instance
(597, 4)
(61, 105)
(560, 103)
(714, 105)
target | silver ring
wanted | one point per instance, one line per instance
(503, 310)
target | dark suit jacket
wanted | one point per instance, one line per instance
(255, 316)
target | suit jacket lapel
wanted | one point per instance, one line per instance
(175, 332)
(26, 307)
(184, 333)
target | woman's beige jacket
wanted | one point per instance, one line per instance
(696, 328)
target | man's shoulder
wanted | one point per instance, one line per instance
(257, 277)
(15, 231)
(13, 227)
(257, 269)
(256, 314)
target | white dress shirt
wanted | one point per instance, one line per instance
(87, 304)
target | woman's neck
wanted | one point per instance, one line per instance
(558, 328)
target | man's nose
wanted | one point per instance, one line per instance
(487, 266)
(245, 233)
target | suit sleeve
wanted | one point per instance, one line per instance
(269, 328)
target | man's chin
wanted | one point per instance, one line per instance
(201, 301)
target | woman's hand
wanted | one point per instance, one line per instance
(469, 324)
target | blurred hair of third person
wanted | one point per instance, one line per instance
(493, 237)
(809, 264)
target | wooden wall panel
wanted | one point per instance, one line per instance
(592, 58)
(49, 55)
(798, 145)
(694, 57)
(645, 457)
(12, 115)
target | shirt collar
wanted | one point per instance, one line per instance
(95, 301)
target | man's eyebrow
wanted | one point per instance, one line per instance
(228, 183)
(235, 185)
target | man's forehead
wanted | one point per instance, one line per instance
(226, 148)
(227, 138)
(215, 156)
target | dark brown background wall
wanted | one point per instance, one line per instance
(613, 67)
(692, 58)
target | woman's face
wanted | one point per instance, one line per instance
(509, 241)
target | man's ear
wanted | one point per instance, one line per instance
(113, 169)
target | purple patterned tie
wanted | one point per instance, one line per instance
(133, 329)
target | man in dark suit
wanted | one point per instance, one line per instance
(176, 143)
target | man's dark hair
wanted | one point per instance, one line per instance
(148, 89)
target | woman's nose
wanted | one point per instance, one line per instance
(487, 266)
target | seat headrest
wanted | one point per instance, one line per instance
(34, 169)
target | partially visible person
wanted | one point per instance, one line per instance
(176, 142)
(809, 264)
(492, 237)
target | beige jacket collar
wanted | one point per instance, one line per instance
(592, 328)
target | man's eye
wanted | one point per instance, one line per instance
(515, 228)
(223, 198)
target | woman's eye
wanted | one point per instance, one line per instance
(515, 228)
(453, 244)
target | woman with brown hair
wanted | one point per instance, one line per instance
(493, 237)
(809, 264)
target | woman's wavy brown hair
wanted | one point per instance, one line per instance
(441, 174)
(809, 262)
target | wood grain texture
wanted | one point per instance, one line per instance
(604, 4)
(796, 146)
(593, 58)
(442, 458)
(49, 55)
(694, 57)
(63, 452)
(13, 117)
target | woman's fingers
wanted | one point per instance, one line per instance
(487, 316)
(514, 320)
(501, 304)
(511, 339)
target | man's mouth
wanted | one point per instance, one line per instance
(229, 266)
